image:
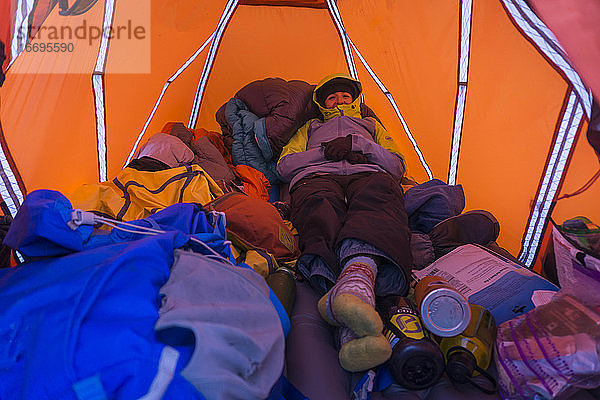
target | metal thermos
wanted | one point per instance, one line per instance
(444, 310)
(416, 362)
(283, 284)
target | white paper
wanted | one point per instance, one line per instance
(499, 285)
(477, 269)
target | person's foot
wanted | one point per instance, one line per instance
(361, 354)
(471, 227)
(351, 302)
(351, 312)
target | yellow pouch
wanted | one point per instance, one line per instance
(137, 194)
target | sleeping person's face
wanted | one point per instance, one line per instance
(337, 98)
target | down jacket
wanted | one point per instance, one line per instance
(261, 119)
(304, 155)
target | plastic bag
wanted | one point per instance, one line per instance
(577, 270)
(549, 352)
(582, 232)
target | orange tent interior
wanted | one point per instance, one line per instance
(514, 104)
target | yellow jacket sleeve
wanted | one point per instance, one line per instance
(295, 157)
(297, 143)
(383, 138)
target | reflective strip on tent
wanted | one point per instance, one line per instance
(162, 94)
(21, 28)
(229, 9)
(337, 18)
(98, 85)
(553, 174)
(461, 94)
(346, 42)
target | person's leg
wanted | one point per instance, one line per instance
(376, 224)
(351, 301)
(317, 210)
(378, 228)
(362, 353)
(350, 304)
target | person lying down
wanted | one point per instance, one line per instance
(348, 207)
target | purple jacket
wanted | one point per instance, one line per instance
(304, 155)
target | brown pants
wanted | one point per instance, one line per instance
(368, 206)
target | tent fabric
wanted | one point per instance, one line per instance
(577, 31)
(499, 111)
(297, 3)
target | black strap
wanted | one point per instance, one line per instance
(593, 132)
(492, 381)
(492, 388)
(2, 58)
(188, 179)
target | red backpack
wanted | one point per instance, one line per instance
(256, 223)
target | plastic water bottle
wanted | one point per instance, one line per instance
(470, 353)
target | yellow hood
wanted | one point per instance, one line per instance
(350, 110)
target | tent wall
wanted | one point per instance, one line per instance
(5, 27)
(582, 165)
(48, 119)
(513, 108)
(24, 16)
(414, 53)
(514, 99)
(577, 29)
(263, 42)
